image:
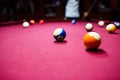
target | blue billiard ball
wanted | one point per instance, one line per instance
(59, 34)
(117, 24)
(73, 21)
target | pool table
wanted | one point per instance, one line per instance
(33, 54)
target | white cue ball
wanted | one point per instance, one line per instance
(26, 24)
(89, 26)
(101, 23)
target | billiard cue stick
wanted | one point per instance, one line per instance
(86, 13)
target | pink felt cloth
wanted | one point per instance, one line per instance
(32, 53)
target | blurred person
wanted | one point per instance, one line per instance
(72, 9)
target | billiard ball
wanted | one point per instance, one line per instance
(92, 40)
(73, 21)
(111, 28)
(101, 23)
(41, 21)
(32, 21)
(26, 24)
(59, 34)
(117, 24)
(89, 27)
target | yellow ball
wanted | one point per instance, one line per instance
(92, 40)
(111, 28)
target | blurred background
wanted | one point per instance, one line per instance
(12, 10)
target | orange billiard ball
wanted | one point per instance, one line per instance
(41, 21)
(92, 40)
(32, 21)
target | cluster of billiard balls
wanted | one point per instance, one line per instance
(111, 27)
(91, 40)
(26, 24)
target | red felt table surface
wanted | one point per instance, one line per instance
(32, 53)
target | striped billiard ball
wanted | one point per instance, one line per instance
(92, 40)
(59, 34)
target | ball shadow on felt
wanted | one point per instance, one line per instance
(59, 42)
(97, 52)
